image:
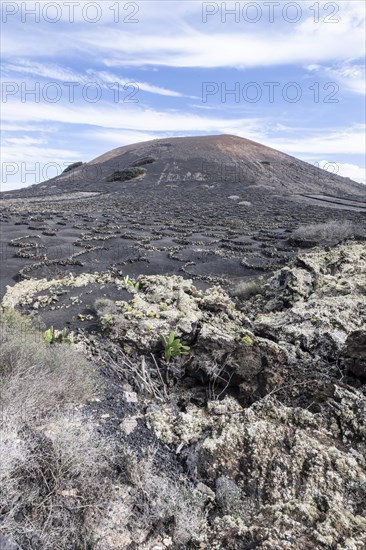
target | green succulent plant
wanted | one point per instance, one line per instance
(106, 321)
(52, 336)
(174, 347)
(131, 283)
(247, 341)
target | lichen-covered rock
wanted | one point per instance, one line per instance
(225, 351)
(22, 293)
(324, 272)
(162, 304)
(253, 365)
(284, 477)
(315, 304)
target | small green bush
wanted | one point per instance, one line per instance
(174, 347)
(130, 283)
(247, 341)
(143, 161)
(51, 336)
(126, 175)
(72, 167)
(107, 321)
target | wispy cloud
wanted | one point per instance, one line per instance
(121, 116)
(52, 72)
(165, 38)
(350, 76)
(48, 71)
(25, 140)
(356, 173)
(197, 49)
(335, 142)
(106, 77)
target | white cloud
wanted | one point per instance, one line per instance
(25, 140)
(341, 141)
(111, 78)
(48, 71)
(169, 35)
(350, 76)
(122, 116)
(9, 126)
(196, 49)
(104, 139)
(24, 164)
(55, 72)
(356, 173)
(28, 153)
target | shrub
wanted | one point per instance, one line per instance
(105, 306)
(106, 310)
(246, 289)
(247, 341)
(162, 500)
(51, 479)
(35, 377)
(131, 283)
(107, 321)
(126, 175)
(52, 461)
(143, 161)
(72, 167)
(329, 231)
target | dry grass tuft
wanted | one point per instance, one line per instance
(36, 378)
(162, 501)
(247, 289)
(325, 232)
(53, 464)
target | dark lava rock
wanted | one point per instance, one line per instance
(354, 354)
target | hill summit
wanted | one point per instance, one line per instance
(219, 160)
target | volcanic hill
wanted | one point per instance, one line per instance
(196, 161)
(211, 208)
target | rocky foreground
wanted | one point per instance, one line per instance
(253, 436)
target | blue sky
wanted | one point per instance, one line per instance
(104, 74)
